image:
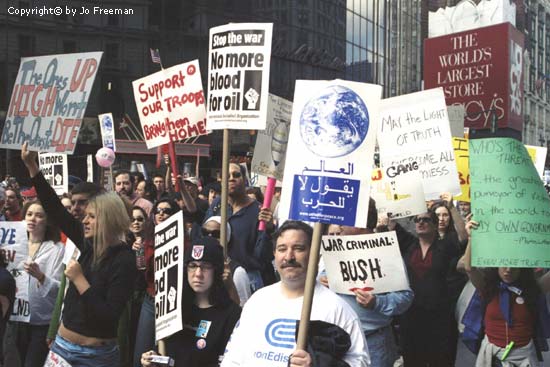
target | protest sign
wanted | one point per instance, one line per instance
(460, 147)
(107, 131)
(89, 168)
(238, 75)
(55, 170)
(510, 204)
(538, 156)
(456, 120)
(168, 276)
(416, 126)
(270, 150)
(398, 191)
(332, 137)
(170, 104)
(371, 262)
(48, 101)
(14, 247)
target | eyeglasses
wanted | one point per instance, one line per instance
(192, 267)
(138, 219)
(164, 211)
(422, 220)
(235, 174)
(215, 233)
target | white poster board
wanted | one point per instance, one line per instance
(370, 262)
(14, 245)
(171, 104)
(330, 152)
(238, 75)
(106, 124)
(55, 169)
(168, 264)
(270, 150)
(49, 101)
(415, 128)
(538, 155)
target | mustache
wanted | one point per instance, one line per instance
(292, 263)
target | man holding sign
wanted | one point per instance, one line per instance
(265, 334)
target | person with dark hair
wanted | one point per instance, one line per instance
(209, 314)
(101, 281)
(268, 322)
(212, 191)
(147, 190)
(44, 267)
(514, 313)
(124, 186)
(256, 194)
(80, 195)
(425, 325)
(12, 206)
(160, 185)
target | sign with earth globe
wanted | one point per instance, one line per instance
(334, 123)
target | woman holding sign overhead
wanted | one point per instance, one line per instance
(514, 313)
(43, 265)
(101, 281)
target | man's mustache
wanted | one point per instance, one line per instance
(292, 263)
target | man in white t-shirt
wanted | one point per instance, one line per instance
(265, 334)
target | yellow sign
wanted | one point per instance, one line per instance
(461, 158)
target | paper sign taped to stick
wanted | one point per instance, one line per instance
(106, 125)
(49, 100)
(171, 104)
(510, 204)
(168, 264)
(416, 126)
(238, 75)
(398, 191)
(55, 169)
(270, 150)
(369, 262)
(462, 155)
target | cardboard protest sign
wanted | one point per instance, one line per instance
(332, 136)
(510, 204)
(270, 150)
(55, 170)
(371, 262)
(107, 131)
(168, 276)
(49, 101)
(398, 191)
(416, 126)
(238, 75)
(14, 246)
(460, 147)
(170, 104)
(538, 156)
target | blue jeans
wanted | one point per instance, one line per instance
(145, 334)
(382, 348)
(80, 356)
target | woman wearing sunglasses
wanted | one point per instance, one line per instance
(425, 325)
(209, 314)
(162, 210)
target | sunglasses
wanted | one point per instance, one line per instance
(207, 233)
(192, 267)
(138, 219)
(164, 211)
(235, 174)
(422, 220)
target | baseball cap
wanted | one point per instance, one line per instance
(192, 180)
(30, 192)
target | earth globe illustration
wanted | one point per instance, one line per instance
(334, 123)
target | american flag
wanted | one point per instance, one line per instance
(155, 56)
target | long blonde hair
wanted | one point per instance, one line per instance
(112, 222)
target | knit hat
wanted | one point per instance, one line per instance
(205, 249)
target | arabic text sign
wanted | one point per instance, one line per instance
(55, 170)
(370, 261)
(332, 137)
(170, 104)
(510, 204)
(49, 101)
(416, 126)
(168, 265)
(107, 131)
(14, 246)
(238, 75)
(270, 150)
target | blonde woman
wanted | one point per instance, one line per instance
(101, 281)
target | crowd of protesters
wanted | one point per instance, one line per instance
(99, 309)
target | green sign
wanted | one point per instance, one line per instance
(510, 204)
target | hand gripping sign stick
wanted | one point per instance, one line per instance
(301, 341)
(269, 190)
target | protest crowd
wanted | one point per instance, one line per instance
(164, 270)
